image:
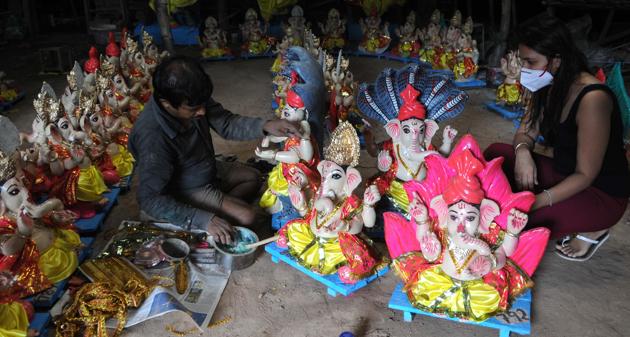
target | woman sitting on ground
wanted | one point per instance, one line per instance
(583, 190)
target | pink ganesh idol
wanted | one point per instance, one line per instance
(463, 253)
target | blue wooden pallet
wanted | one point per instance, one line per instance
(8, 105)
(91, 225)
(125, 183)
(506, 112)
(470, 83)
(220, 58)
(334, 284)
(394, 57)
(517, 319)
(48, 298)
(360, 53)
(40, 323)
(248, 56)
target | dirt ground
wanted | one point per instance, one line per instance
(570, 298)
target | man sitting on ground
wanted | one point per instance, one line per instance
(180, 180)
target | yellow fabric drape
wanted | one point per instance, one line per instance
(8, 95)
(13, 320)
(323, 256)
(60, 260)
(91, 184)
(123, 161)
(398, 195)
(271, 7)
(277, 184)
(474, 300)
(173, 4)
(510, 93)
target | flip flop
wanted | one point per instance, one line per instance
(595, 244)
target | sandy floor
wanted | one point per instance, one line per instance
(570, 299)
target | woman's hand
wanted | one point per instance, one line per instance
(525, 170)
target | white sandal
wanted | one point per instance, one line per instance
(595, 244)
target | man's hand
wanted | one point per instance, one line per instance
(220, 230)
(281, 128)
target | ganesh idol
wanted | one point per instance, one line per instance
(410, 102)
(341, 91)
(467, 54)
(293, 179)
(431, 40)
(253, 33)
(213, 40)
(463, 252)
(409, 45)
(510, 92)
(296, 25)
(333, 31)
(37, 248)
(328, 239)
(134, 68)
(80, 184)
(376, 39)
(108, 150)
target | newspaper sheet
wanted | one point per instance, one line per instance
(199, 301)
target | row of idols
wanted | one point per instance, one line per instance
(452, 224)
(60, 172)
(444, 46)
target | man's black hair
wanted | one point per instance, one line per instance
(180, 79)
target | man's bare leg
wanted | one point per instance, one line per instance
(237, 211)
(241, 182)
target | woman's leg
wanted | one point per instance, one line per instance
(589, 213)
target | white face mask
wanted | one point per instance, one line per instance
(533, 79)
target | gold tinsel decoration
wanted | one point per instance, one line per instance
(344, 148)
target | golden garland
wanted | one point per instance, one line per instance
(117, 286)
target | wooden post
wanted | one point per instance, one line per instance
(604, 32)
(491, 15)
(30, 16)
(163, 21)
(504, 28)
(221, 14)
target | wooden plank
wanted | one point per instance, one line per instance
(91, 225)
(332, 282)
(505, 112)
(516, 319)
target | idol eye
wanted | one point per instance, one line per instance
(406, 130)
(470, 218)
(14, 191)
(64, 126)
(336, 176)
(286, 114)
(95, 119)
(453, 217)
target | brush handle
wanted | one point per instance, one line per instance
(260, 243)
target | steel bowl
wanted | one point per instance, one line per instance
(236, 261)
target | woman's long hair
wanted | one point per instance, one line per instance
(550, 37)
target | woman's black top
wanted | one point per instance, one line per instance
(614, 177)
